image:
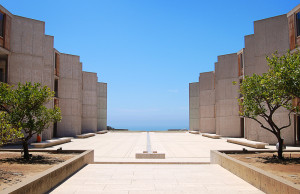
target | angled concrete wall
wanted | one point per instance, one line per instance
(89, 102)
(194, 106)
(70, 95)
(207, 102)
(31, 57)
(227, 108)
(102, 106)
(270, 35)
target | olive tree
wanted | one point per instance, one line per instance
(265, 94)
(25, 109)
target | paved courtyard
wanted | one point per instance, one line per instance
(158, 179)
(178, 147)
(189, 171)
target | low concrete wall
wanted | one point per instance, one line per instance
(261, 179)
(48, 179)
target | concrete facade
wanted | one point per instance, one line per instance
(102, 106)
(272, 34)
(28, 55)
(89, 102)
(70, 95)
(207, 113)
(194, 106)
(227, 108)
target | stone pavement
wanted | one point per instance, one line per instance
(178, 147)
(154, 178)
(188, 172)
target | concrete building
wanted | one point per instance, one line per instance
(207, 121)
(279, 34)
(194, 100)
(89, 102)
(28, 55)
(102, 106)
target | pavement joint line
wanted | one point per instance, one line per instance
(186, 163)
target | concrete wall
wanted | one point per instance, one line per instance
(207, 102)
(70, 95)
(89, 102)
(270, 35)
(102, 106)
(31, 57)
(227, 109)
(194, 106)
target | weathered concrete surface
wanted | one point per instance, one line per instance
(102, 106)
(270, 35)
(70, 95)
(207, 101)
(194, 114)
(227, 108)
(89, 102)
(49, 178)
(31, 57)
(259, 178)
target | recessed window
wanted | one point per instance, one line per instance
(1, 24)
(298, 23)
(56, 87)
(3, 71)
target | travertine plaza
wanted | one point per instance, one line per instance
(28, 55)
(213, 100)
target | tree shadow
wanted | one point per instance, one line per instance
(274, 160)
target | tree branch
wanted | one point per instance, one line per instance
(290, 122)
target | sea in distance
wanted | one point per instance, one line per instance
(149, 129)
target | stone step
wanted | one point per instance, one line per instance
(194, 132)
(85, 135)
(51, 142)
(249, 143)
(210, 135)
(102, 132)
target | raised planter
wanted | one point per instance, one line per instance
(265, 181)
(48, 179)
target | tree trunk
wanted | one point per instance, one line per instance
(25, 149)
(280, 150)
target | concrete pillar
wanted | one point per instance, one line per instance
(89, 102)
(102, 106)
(194, 106)
(207, 102)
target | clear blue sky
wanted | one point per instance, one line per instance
(148, 51)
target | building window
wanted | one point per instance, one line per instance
(298, 23)
(56, 88)
(3, 71)
(1, 24)
(56, 64)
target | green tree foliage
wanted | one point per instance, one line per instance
(25, 109)
(7, 132)
(285, 70)
(265, 94)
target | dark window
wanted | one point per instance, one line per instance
(298, 23)
(1, 24)
(56, 88)
(3, 70)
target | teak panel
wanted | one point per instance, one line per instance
(292, 35)
(7, 30)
